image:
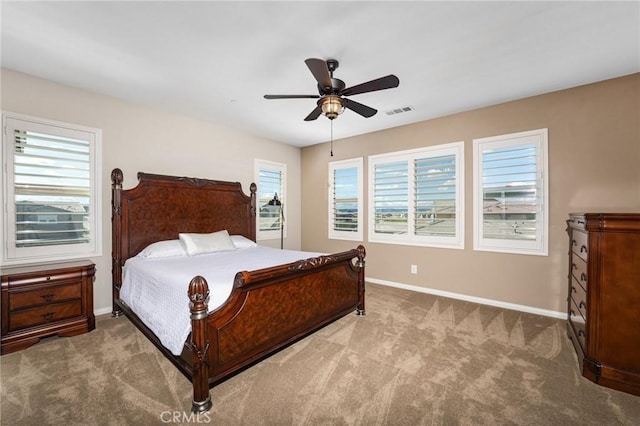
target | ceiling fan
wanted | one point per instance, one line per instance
(332, 91)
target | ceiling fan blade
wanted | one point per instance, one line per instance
(363, 110)
(291, 96)
(320, 72)
(387, 82)
(314, 114)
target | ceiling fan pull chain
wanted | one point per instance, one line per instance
(332, 138)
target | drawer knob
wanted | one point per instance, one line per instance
(48, 316)
(582, 304)
(583, 277)
(573, 242)
(48, 297)
(581, 333)
(583, 249)
(48, 277)
(573, 289)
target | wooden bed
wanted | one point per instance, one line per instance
(267, 309)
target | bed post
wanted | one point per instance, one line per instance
(253, 188)
(361, 254)
(116, 240)
(199, 296)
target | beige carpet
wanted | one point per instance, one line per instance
(414, 359)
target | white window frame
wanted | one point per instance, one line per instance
(539, 246)
(451, 242)
(20, 255)
(334, 166)
(282, 196)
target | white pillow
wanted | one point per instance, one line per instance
(240, 241)
(166, 248)
(207, 243)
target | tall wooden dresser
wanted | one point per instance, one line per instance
(604, 297)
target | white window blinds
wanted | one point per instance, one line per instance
(270, 184)
(271, 199)
(391, 197)
(416, 196)
(51, 186)
(435, 196)
(345, 199)
(511, 193)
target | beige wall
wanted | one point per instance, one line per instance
(136, 138)
(594, 164)
(594, 158)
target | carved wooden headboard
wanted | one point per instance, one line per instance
(160, 207)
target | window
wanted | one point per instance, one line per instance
(271, 199)
(345, 200)
(51, 190)
(510, 194)
(416, 197)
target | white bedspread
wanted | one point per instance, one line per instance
(156, 289)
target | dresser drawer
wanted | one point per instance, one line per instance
(44, 295)
(44, 315)
(579, 270)
(579, 297)
(580, 243)
(579, 325)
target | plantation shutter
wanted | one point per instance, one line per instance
(435, 196)
(52, 189)
(270, 183)
(345, 200)
(391, 198)
(509, 192)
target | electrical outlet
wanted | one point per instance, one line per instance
(414, 269)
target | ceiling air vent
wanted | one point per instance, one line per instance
(399, 110)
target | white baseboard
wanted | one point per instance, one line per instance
(101, 311)
(480, 300)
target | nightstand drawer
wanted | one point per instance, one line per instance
(44, 315)
(50, 278)
(44, 295)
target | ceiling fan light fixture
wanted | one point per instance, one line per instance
(331, 91)
(332, 106)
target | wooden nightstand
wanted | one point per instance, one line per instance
(40, 301)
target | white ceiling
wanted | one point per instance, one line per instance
(215, 60)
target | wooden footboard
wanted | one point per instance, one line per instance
(269, 309)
